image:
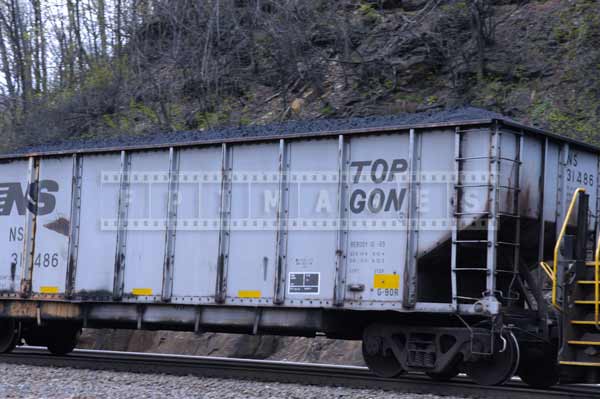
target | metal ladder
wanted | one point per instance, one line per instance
(489, 237)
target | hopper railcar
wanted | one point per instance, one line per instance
(455, 245)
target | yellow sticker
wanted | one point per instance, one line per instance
(49, 290)
(142, 291)
(386, 281)
(249, 294)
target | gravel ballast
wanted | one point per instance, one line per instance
(61, 383)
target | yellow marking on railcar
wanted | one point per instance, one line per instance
(48, 290)
(142, 291)
(389, 281)
(249, 294)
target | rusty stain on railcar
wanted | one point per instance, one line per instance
(60, 226)
(47, 310)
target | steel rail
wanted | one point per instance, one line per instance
(286, 372)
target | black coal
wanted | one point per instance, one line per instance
(276, 129)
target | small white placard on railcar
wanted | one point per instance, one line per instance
(304, 283)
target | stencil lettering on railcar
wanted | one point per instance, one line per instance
(378, 199)
(37, 198)
(576, 172)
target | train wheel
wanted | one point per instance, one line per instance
(538, 367)
(63, 342)
(379, 359)
(9, 335)
(498, 368)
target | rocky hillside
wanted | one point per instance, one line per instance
(190, 67)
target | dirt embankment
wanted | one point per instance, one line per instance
(317, 350)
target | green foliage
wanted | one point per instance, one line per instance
(369, 12)
(144, 111)
(579, 25)
(431, 100)
(206, 120)
(327, 110)
(576, 123)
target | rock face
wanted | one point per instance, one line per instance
(316, 350)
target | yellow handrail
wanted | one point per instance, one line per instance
(548, 270)
(597, 284)
(552, 274)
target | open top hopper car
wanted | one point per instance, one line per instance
(448, 245)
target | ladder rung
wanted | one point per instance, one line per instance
(510, 160)
(591, 282)
(492, 159)
(482, 269)
(587, 343)
(467, 298)
(510, 215)
(510, 188)
(470, 242)
(514, 244)
(584, 364)
(471, 213)
(472, 185)
(470, 158)
(472, 269)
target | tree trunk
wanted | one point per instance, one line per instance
(102, 27)
(19, 57)
(118, 26)
(39, 50)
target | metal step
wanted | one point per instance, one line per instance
(583, 364)
(584, 322)
(590, 264)
(586, 343)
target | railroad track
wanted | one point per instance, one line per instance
(278, 371)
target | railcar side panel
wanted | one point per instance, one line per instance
(531, 176)
(377, 192)
(313, 221)
(13, 208)
(197, 239)
(146, 226)
(435, 189)
(94, 275)
(581, 170)
(473, 195)
(552, 195)
(252, 245)
(53, 225)
(509, 172)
